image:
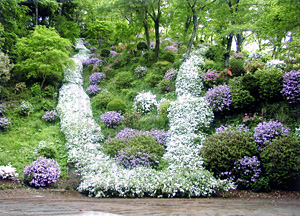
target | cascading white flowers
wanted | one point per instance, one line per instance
(101, 176)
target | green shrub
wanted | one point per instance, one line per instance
(116, 105)
(270, 82)
(105, 53)
(281, 160)
(162, 66)
(36, 89)
(49, 90)
(168, 56)
(221, 150)
(250, 83)
(47, 152)
(163, 112)
(100, 101)
(131, 120)
(123, 80)
(236, 67)
(153, 79)
(130, 94)
(141, 46)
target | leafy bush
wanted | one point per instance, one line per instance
(280, 160)
(173, 48)
(105, 53)
(221, 150)
(168, 56)
(26, 108)
(50, 116)
(269, 84)
(42, 172)
(153, 79)
(171, 74)
(97, 77)
(275, 63)
(47, 152)
(5, 67)
(2, 109)
(236, 67)
(123, 80)
(36, 89)
(268, 131)
(253, 66)
(111, 119)
(117, 105)
(8, 172)
(93, 89)
(145, 102)
(291, 86)
(101, 100)
(49, 90)
(140, 71)
(210, 78)
(219, 97)
(141, 46)
(94, 61)
(131, 119)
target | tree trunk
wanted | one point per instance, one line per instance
(186, 27)
(156, 25)
(228, 48)
(195, 22)
(59, 16)
(239, 42)
(146, 27)
(36, 12)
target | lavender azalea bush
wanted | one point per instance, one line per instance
(97, 77)
(4, 123)
(171, 74)
(93, 89)
(291, 86)
(268, 131)
(210, 77)
(130, 161)
(94, 61)
(219, 97)
(50, 116)
(42, 172)
(111, 119)
(140, 71)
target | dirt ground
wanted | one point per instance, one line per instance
(29, 201)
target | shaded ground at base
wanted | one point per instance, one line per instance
(28, 201)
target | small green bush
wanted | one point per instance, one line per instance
(281, 160)
(105, 53)
(130, 94)
(100, 101)
(36, 89)
(221, 150)
(153, 79)
(131, 120)
(47, 152)
(163, 112)
(250, 83)
(236, 66)
(162, 66)
(141, 46)
(123, 80)
(116, 105)
(168, 56)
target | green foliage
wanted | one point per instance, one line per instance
(100, 101)
(221, 150)
(153, 79)
(69, 30)
(99, 30)
(281, 160)
(162, 66)
(163, 112)
(42, 54)
(131, 120)
(168, 56)
(141, 46)
(116, 105)
(36, 89)
(123, 80)
(105, 52)
(269, 84)
(47, 152)
(215, 53)
(236, 66)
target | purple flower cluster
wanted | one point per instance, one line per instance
(130, 161)
(111, 119)
(140, 71)
(152, 44)
(86, 43)
(267, 131)
(42, 172)
(4, 123)
(246, 171)
(94, 61)
(93, 48)
(171, 74)
(93, 89)
(2, 109)
(211, 76)
(219, 97)
(239, 128)
(291, 86)
(128, 133)
(113, 53)
(97, 77)
(172, 47)
(50, 116)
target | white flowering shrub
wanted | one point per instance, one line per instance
(145, 102)
(297, 132)
(275, 63)
(102, 176)
(26, 108)
(8, 172)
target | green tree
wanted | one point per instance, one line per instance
(42, 54)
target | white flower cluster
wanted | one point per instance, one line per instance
(145, 102)
(275, 63)
(297, 132)
(103, 177)
(7, 172)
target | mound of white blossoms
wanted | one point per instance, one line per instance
(101, 176)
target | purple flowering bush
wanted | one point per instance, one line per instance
(97, 77)
(238, 128)
(93, 49)
(219, 97)
(268, 131)
(111, 119)
(93, 89)
(94, 61)
(210, 77)
(173, 48)
(165, 85)
(50, 116)
(140, 71)
(245, 173)
(291, 86)
(171, 74)
(42, 172)
(4, 123)
(113, 53)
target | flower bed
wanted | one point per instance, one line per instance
(102, 176)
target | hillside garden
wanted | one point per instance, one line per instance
(140, 111)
